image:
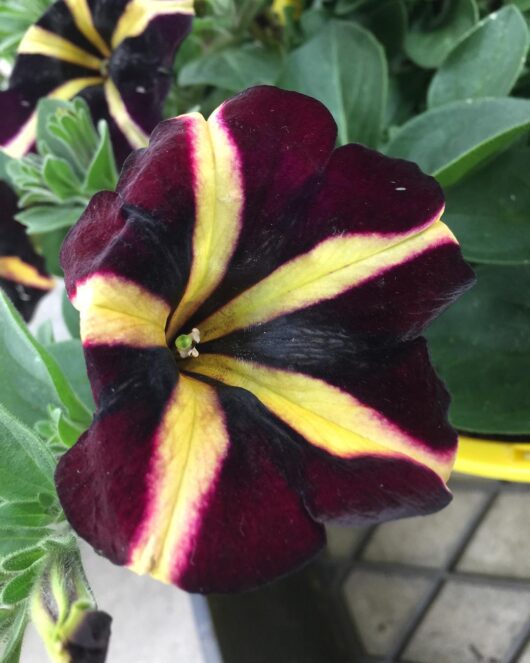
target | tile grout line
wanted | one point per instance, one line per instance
(441, 576)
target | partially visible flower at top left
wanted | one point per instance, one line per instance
(22, 273)
(117, 55)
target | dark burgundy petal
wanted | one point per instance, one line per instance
(16, 111)
(363, 191)
(141, 68)
(131, 243)
(22, 273)
(370, 490)
(102, 480)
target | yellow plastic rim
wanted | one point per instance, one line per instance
(507, 461)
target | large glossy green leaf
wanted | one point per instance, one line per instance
(31, 378)
(234, 69)
(26, 465)
(431, 38)
(486, 63)
(345, 68)
(481, 347)
(449, 141)
(490, 211)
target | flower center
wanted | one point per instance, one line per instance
(185, 344)
(104, 68)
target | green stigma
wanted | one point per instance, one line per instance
(185, 344)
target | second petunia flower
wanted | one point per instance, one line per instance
(118, 55)
(251, 306)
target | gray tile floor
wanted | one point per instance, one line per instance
(449, 588)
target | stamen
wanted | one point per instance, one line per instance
(185, 344)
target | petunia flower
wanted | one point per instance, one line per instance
(117, 55)
(22, 273)
(251, 301)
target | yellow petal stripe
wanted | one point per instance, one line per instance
(332, 267)
(39, 41)
(24, 139)
(114, 310)
(219, 201)
(139, 13)
(324, 415)
(82, 16)
(191, 443)
(13, 268)
(134, 134)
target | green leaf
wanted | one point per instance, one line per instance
(486, 63)
(23, 560)
(25, 514)
(46, 108)
(49, 245)
(69, 356)
(44, 333)
(102, 173)
(481, 347)
(490, 211)
(431, 38)
(60, 178)
(58, 432)
(13, 643)
(70, 133)
(26, 465)
(19, 588)
(448, 142)
(313, 21)
(16, 539)
(7, 617)
(234, 68)
(5, 160)
(47, 218)
(70, 316)
(16, 16)
(31, 377)
(524, 5)
(345, 68)
(347, 6)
